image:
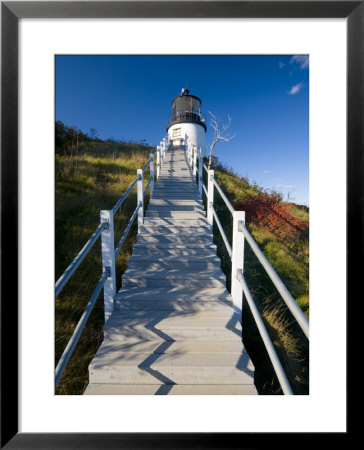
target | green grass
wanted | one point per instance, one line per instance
(93, 180)
(292, 268)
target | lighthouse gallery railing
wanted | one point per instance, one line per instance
(236, 254)
(105, 230)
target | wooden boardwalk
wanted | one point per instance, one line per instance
(174, 329)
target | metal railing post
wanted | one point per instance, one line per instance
(158, 162)
(140, 199)
(237, 259)
(200, 172)
(210, 197)
(151, 169)
(194, 161)
(108, 260)
(162, 150)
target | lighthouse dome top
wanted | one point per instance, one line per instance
(186, 108)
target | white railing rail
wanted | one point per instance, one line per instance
(109, 253)
(278, 283)
(282, 378)
(227, 244)
(62, 363)
(236, 253)
(126, 231)
(71, 269)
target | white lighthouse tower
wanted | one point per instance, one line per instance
(187, 125)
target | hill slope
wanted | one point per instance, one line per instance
(281, 230)
(92, 174)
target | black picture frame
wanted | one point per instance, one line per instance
(11, 12)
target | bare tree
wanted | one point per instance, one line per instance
(93, 133)
(220, 133)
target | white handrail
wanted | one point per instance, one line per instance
(237, 248)
(278, 283)
(126, 231)
(227, 244)
(200, 172)
(226, 200)
(106, 231)
(71, 269)
(283, 381)
(147, 187)
(123, 197)
(204, 188)
(62, 363)
(146, 166)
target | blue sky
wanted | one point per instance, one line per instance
(129, 98)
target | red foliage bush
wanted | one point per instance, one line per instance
(269, 210)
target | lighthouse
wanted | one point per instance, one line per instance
(187, 125)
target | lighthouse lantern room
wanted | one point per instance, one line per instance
(187, 125)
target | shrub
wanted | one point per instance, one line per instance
(269, 210)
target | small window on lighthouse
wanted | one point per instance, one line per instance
(177, 132)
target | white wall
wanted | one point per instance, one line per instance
(195, 133)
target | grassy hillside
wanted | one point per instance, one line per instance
(92, 174)
(281, 230)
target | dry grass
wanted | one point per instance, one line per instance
(287, 345)
(275, 316)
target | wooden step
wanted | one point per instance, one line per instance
(171, 245)
(173, 239)
(186, 215)
(184, 208)
(171, 305)
(173, 278)
(174, 389)
(176, 326)
(176, 368)
(172, 203)
(156, 229)
(175, 222)
(178, 293)
(174, 329)
(166, 251)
